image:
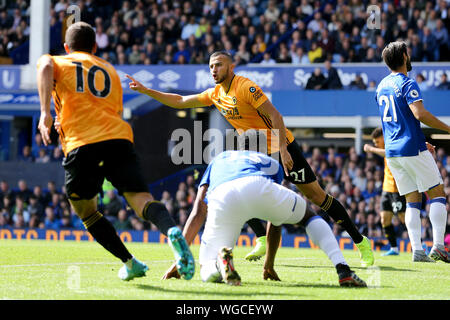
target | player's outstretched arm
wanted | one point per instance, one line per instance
(424, 116)
(372, 149)
(169, 99)
(45, 87)
(273, 241)
(192, 227)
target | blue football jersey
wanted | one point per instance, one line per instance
(231, 165)
(402, 134)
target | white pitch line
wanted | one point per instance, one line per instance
(109, 262)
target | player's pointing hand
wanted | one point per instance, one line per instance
(287, 161)
(135, 85)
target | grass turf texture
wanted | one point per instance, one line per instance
(38, 269)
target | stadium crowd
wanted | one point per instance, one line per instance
(257, 31)
(356, 181)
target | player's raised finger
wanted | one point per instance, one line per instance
(130, 77)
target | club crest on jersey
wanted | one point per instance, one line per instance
(234, 99)
(252, 89)
(414, 93)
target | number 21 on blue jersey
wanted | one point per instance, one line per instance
(388, 103)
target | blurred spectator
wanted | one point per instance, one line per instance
(181, 52)
(35, 207)
(4, 190)
(26, 154)
(284, 55)
(23, 191)
(316, 81)
(272, 12)
(441, 35)
(51, 221)
(43, 156)
(372, 86)
(444, 84)
(299, 56)
(420, 79)
(332, 82)
(101, 39)
(430, 45)
(134, 56)
(114, 204)
(122, 222)
(358, 83)
(267, 60)
(315, 54)
(57, 154)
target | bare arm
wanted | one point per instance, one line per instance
(197, 217)
(45, 87)
(278, 124)
(424, 116)
(273, 241)
(372, 149)
(169, 99)
(192, 226)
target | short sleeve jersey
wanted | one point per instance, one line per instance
(239, 105)
(87, 93)
(401, 130)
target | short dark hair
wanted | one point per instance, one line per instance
(393, 54)
(80, 36)
(221, 53)
(376, 133)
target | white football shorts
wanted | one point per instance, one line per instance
(233, 203)
(417, 173)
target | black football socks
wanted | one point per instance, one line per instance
(338, 213)
(103, 231)
(156, 213)
(389, 232)
(257, 227)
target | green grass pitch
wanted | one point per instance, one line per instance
(39, 269)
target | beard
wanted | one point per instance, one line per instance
(219, 80)
(408, 64)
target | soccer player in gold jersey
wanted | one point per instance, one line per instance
(98, 144)
(245, 106)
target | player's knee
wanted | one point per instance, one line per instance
(386, 218)
(314, 193)
(436, 192)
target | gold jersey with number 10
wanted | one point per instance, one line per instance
(87, 93)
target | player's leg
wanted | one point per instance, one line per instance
(414, 226)
(286, 207)
(406, 172)
(320, 233)
(305, 180)
(260, 232)
(386, 214)
(104, 233)
(83, 181)
(389, 232)
(222, 228)
(122, 169)
(438, 218)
